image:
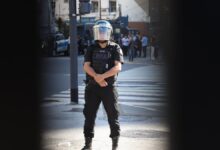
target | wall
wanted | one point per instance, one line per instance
(138, 14)
(137, 10)
(62, 9)
(142, 26)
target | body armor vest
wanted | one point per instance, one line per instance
(102, 61)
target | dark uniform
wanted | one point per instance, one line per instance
(102, 60)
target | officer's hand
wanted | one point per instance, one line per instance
(98, 78)
(103, 83)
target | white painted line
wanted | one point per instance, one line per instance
(129, 98)
(64, 144)
(133, 90)
(158, 80)
(124, 97)
(57, 98)
(134, 93)
(122, 94)
(139, 98)
(61, 99)
(130, 91)
(137, 85)
(143, 103)
(147, 108)
(141, 91)
(140, 94)
(133, 85)
(65, 92)
(61, 95)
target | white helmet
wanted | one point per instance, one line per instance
(102, 30)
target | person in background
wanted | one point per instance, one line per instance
(131, 49)
(144, 42)
(137, 45)
(125, 44)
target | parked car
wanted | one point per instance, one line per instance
(61, 45)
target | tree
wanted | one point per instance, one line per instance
(63, 27)
(59, 24)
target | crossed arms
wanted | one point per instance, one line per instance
(100, 78)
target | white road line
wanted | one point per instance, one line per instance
(145, 106)
(161, 81)
(60, 99)
(138, 98)
(124, 91)
(143, 103)
(61, 95)
(133, 98)
(57, 98)
(133, 85)
(132, 92)
(128, 98)
(65, 92)
(135, 93)
(134, 88)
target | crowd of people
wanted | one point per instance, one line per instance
(133, 46)
(136, 45)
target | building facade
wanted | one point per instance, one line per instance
(136, 10)
(46, 20)
(138, 14)
(61, 9)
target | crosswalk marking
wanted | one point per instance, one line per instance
(61, 95)
(142, 95)
(121, 93)
(133, 88)
(144, 106)
(124, 91)
(128, 98)
(127, 85)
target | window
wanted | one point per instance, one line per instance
(112, 6)
(95, 6)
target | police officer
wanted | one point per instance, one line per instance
(102, 63)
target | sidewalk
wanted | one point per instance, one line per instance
(142, 60)
(141, 128)
(66, 132)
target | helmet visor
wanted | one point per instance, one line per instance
(102, 33)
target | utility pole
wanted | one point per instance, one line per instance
(73, 53)
(59, 10)
(119, 6)
(100, 10)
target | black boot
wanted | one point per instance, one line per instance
(115, 143)
(88, 144)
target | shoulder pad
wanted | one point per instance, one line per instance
(112, 43)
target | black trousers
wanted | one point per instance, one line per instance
(125, 50)
(94, 95)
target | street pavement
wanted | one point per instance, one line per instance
(143, 117)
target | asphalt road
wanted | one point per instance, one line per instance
(142, 106)
(55, 73)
